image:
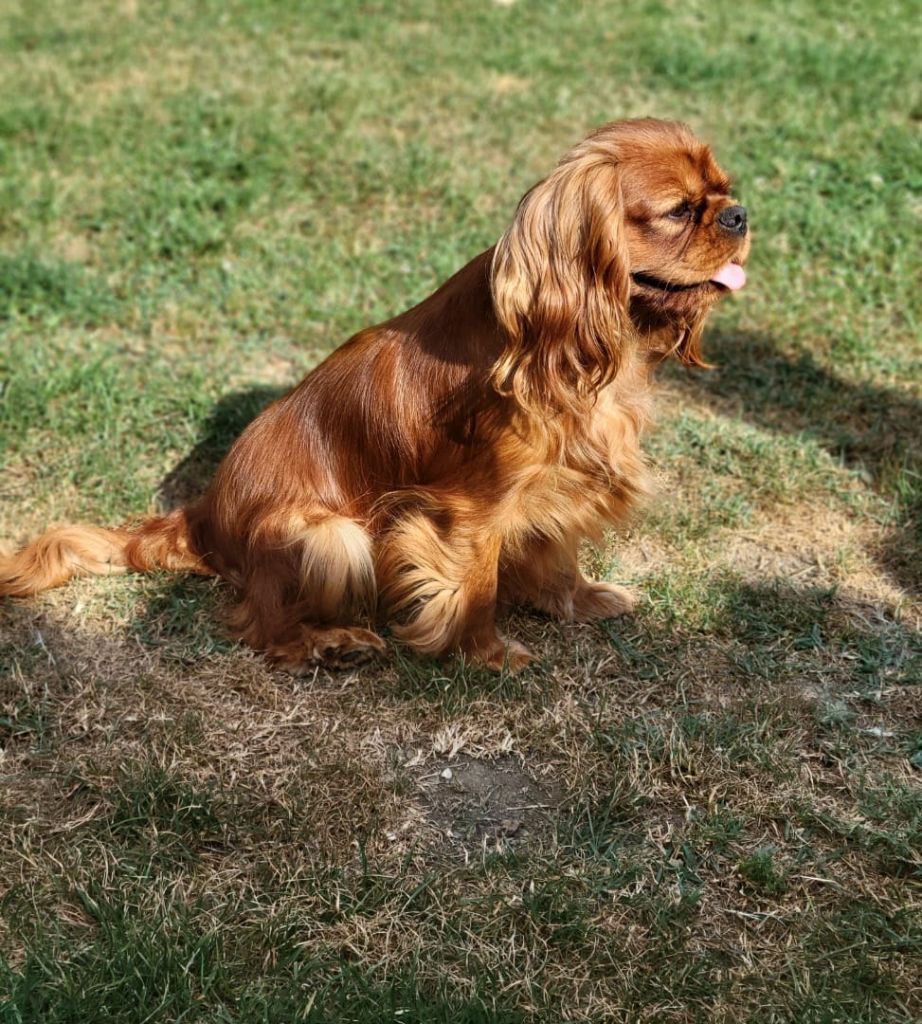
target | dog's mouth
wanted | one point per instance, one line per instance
(730, 277)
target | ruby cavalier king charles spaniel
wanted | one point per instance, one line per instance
(447, 463)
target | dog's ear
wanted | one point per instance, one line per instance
(561, 283)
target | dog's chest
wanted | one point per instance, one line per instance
(598, 474)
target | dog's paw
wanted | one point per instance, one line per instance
(601, 601)
(504, 655)
(333, 647)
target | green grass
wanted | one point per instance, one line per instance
(707, 812)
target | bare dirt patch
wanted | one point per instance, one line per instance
(486, 802)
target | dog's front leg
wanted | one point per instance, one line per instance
(545, 574)
(441, 587)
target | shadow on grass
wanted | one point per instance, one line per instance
(189, 478)
(183, 617)
(763, 633)
(875, 430)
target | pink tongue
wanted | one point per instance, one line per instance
(730, 275)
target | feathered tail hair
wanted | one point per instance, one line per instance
(63, 552)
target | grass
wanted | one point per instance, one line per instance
(708, 812)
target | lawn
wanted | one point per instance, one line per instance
(711, 811)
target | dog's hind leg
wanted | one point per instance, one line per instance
(335, 647)
(304, 583)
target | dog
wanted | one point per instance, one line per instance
(449, 462)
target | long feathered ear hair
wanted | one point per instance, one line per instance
(561, 284)
(688, 345)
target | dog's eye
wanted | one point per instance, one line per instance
(680, 212)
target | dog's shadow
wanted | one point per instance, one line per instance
(188, 479)
(872, 429)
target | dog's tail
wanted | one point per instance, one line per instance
(162, 542)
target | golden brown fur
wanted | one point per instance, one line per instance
(450, 460)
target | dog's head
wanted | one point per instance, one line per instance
(635, 232)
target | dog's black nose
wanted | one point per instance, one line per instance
(733, 219)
